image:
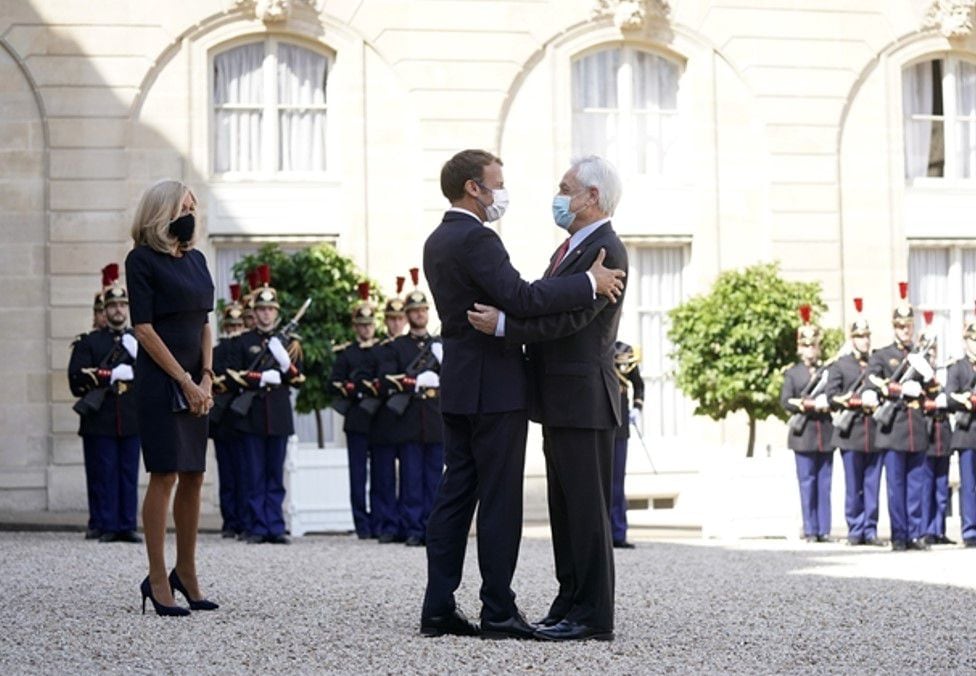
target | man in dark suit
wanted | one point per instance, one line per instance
(483, 395)
(576, 397)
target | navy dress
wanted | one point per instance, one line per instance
(174, 295)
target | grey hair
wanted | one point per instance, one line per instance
(592, 171)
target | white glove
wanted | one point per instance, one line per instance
(427, 379)
(941, 402)
(279, 352)
(635, 416)
(869, 398)
(437, 349)
(911, 390)
(820, 403)
(921, 366)
(130, 344)
(121, 372)
(270, 377)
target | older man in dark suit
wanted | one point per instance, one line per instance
(576, 397)
(484, 395)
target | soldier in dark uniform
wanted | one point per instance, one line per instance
(266, 364)
(626, 361)
(961, 386)
(936, 492)
(91, 467)
(810, 437)
(854, 434)
(905, 440)
(98, 309)
(100, 371)
(227, 441)
(383, 441)
(353, 375)
(416, 382)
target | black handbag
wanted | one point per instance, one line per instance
(177, 400)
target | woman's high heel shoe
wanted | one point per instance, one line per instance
(171, 611)
(177, 585)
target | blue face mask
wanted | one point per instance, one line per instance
(561, 212)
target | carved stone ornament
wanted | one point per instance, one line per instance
(273, 11)
(952, 18)
(631, 15)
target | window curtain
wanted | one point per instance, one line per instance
(301, 99)
(966, 110)
(928, 289)
(238, 84)
(595, 117)
(916, 98)
(655, 103)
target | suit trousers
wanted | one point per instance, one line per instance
(862, 484)
(905, 476)
(485, 461)
(967, 492)
(116, 462)
(935, 498)
(618, 505)
(579, 466)
(814, 472)
(266, 497)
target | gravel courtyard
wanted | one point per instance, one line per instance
(335, 604)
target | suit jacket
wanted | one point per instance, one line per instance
(573, 379)
(466, 263)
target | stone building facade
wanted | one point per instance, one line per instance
(836, 136)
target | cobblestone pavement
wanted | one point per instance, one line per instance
(335, 604)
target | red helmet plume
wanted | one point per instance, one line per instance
(399, 284)
(264, 274)
(363, 290)
(235, 292)
(928, 315)
(903, 290)
(805, 310)
(859, 304)
(415, 275)
(110, 273)
(253, 279)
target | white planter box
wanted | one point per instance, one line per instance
(317, 484)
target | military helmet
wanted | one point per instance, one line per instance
(112, 289)
(625, 357)
(904, 313)
(234, 311)
(395, 306)
(969, 331)
(807, 334)
(265, 295)
(860, 327)
(416, 299)
(363, 311)
(98, 304)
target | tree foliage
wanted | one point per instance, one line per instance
(733, 344)
(330, 280)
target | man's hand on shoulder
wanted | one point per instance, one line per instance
(609, 282)
(484, 318)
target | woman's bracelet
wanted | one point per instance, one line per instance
(209, 371)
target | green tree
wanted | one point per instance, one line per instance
(733, 344)
(330, 280)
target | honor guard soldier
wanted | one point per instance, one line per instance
(231, 470)
(898, 374)
(100, 371)
(854, 433)
(253, 284)
(935, 499)
(414, 396)
(265, 365)
(810, 434)
(626, 362)
(961, 386)
(353, 375)
(384, 507)
(98, 309)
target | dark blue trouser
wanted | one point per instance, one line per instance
(357, 448)
(421, 469)
(92, 481)
(813, 472)
(384, 519)
(618, 501)
(232, 484)
(905, 476)
(266, 482)
(116, 464)
(936, 495)
(862, 492)
(967, 492)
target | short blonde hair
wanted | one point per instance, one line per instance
(159, 206)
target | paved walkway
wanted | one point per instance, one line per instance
(335, 604)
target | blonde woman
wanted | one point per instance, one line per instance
(170, 294)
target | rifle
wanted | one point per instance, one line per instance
(964, 418)
(424, 361)
(241, 404)
(844, 420)
(798, 421)
(885, 415)
(92, 402)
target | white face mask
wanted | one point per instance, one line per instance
(499, 204)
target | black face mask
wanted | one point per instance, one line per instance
(182, 228)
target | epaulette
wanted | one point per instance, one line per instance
(386, 341)
(786, 368)
(79, 337)
(340, 348)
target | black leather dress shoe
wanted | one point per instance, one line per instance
(93, 534)
(513, 627)
(623, 544)
(824, 538)
(874, 542)
(919, 544)
(255, 539)
(454, 623)
(386, 538)
(567, 630)
(414, 541)
(942, 540)
(549, 621)
(899, 545)
(278, 539)
(108, 537)
(228, 534)
(127, 536)
(969, 543)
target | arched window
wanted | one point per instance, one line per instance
(625, 105)
(939, 106)
(269, 103)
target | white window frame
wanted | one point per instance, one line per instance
(955, 304)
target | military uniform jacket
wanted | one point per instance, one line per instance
(818, 433)
(270, 413)
(382, 429)
(222, 420)
(627, 380)
(960, 379)
(421, 421)
(117, 415)
(843, 375)
(354, 364)
(908, 430)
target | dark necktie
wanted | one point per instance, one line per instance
(560, 255)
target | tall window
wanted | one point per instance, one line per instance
(660, 287)
(625, 108)
(939, 104)
(943, 279)
(269, 101)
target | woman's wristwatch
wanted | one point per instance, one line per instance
(209, 371)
